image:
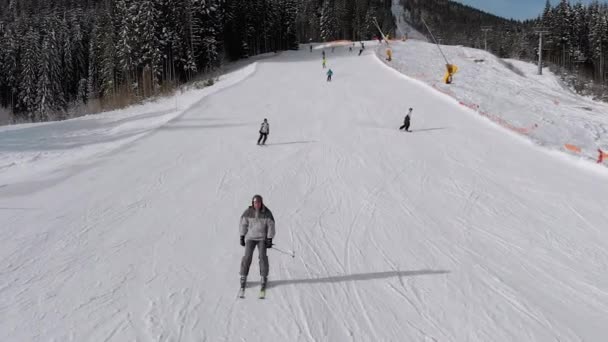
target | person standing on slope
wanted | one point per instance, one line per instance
(256, 229)
(324, 62)
(329, 73)
(406, 121)
(264, 131)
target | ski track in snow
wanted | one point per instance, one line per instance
(456, 231)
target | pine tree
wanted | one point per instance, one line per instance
(44, 93)
(580, 32)
(8, 67)
(291, 36)
(28, 91)
(125, 40)
(329, 22)
(149, 58)
(597, 37)
(212, 18)
(370, 26)
(107, 60)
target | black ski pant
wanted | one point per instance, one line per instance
(406, 126)
(328, 78)
(262, 138)
(246, 261)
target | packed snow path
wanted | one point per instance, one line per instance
(457, 231)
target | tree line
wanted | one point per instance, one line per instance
(57, 55)
(575, 44)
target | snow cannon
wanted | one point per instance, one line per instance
(451, 69)
(389, 55)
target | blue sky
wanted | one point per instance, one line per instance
(517, 9)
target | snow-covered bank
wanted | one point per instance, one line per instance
(511, 94)
(36, 150)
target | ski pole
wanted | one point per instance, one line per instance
(292, 254)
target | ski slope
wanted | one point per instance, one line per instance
(511, 94)
(457, 231)
(403, 28)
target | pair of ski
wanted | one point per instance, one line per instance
(261, 294)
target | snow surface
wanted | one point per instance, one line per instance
(403, 27)
(514, 96)
(457, 231)
(35, 150)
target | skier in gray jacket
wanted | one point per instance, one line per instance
(256, 229)
(264, 131)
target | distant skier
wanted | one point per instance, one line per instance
(329, 73)
(323, 54)
(406, 121)
(350, 49)
(360, 51)
(310, 48)
(256, 229)
(264, 131)
(362, 46)
(324, 62)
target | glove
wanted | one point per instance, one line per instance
(242, 241)
(268, 243)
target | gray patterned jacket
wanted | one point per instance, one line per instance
(257, 225)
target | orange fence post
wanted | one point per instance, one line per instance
(602, 156)
(572, 148)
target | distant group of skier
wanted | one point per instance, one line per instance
(330, 72)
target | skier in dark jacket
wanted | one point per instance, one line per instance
(406, 121)
(256, 228)
(264, 131)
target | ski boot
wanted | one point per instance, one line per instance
(263, 283)
(243, 285)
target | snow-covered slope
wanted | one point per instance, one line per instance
(50, 149)
(456, 231)
(403, 27)
(511, 94)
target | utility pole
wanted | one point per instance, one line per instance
(485, 30)
(540, 31)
